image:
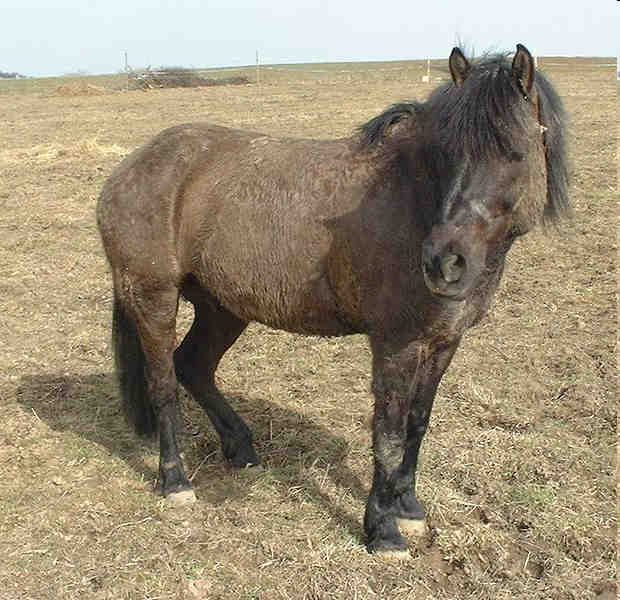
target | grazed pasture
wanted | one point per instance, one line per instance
(518, 469)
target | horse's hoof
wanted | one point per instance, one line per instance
(393, 554)
(412, 527)
(390, 547)
(182, 498)
(244, 458)
(254, 467)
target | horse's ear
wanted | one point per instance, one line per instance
(459, 67)
(524, 70)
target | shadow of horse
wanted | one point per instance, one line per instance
(88, 406)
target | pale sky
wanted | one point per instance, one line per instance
(55, 37)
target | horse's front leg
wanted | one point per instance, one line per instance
(404, 385)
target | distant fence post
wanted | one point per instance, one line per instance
(426, 78)
(257, 69)
(126, 71)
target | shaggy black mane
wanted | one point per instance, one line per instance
(488, 117)
(374, 131)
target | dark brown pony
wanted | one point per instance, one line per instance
(399, 232)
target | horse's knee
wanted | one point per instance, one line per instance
(389, 451)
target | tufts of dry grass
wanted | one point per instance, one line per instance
(55, 152)
(518, 469)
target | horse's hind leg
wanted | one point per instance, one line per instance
(153, 310)
(213, 331)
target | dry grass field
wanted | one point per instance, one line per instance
(518, 471)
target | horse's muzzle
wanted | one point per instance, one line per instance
(444, 271)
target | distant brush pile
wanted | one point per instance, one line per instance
(175, 77)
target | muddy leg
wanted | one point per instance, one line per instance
(213, 331)
(155, 313)
(410, 513)
(404, 385)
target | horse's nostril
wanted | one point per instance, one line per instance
(452, 267)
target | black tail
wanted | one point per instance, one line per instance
(130, 367)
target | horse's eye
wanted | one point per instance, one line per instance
(515, 231)
(516, 157)
(508, 203)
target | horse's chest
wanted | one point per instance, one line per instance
(448, 320)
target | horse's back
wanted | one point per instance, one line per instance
(244, 214)
(258, 212)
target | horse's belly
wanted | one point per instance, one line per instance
(285, 296)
